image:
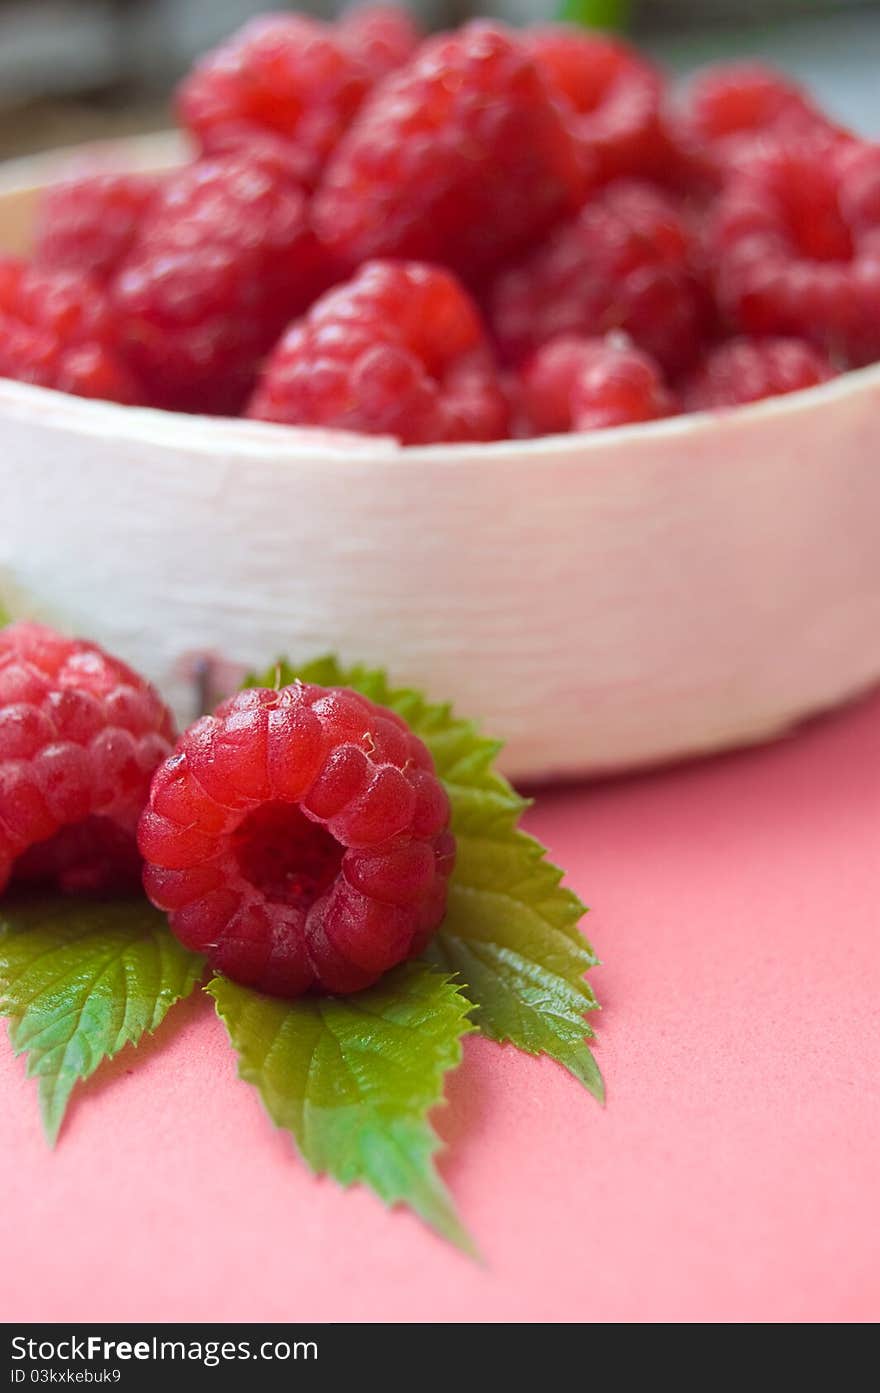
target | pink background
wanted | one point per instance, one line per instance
(732, 1176)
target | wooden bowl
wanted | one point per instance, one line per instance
(599, 601)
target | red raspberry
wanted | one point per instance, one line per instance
(89, 224)
(80, 737)
(399, 350)
(462, 157)
(56, 330)
(384, 37)
(745, 370)
(225, 260)
(628, 261)
(589, 384)
(615, 95)
(290, 76)
(299, 838)
(797, 246)
(733, 108)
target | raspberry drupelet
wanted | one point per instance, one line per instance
(462, 157)
(80, 737)
(745, 370)
(300, 839)
(292, 77)
(399, 350)
(628, 261)
(58, 330)
(796, 243)
(225, 259)
(614, 95)
(575, 383)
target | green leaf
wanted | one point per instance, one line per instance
(5, 617)
(79, 980)
(511, 929)
(353, 1079)
(596, 14)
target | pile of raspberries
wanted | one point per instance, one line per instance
(468, 237)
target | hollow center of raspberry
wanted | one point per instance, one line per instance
(92, 857)
(290, 859)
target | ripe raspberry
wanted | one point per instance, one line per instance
(589, 384)
(628, 261)
(80, 737)
(292, 77)
(56, 330)
(732, 109)
(614, 93)
(383, 37)
(462, 157)
(299, 838)
(89, 224)
(796, 242)
(745, 370)
(399, 350)
(224, 261)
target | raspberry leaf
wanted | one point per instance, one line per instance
(511, 929)
(79, 980)
(353, 1079)
(595, 14)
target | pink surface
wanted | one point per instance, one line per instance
(732, 1176)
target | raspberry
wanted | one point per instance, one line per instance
(80, 737)
(745, 370)
(56, 330)
(383, 37)
(733, 108)
(797, 246)
(627, 261)
(299, 838)
(589, 384)
(225, 260)
(399, 350)
(291, 76)
(89, 224)
(614, 93)
(462, 157)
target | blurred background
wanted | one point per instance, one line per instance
(77, 69)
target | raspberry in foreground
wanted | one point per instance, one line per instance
(89, 224)
(462, 157)
(796, 243)
(292, 77)
(80, 737)
(299, 838)
(223, 262)
(745, 370)
(628, 261)
(399, 350)
(614, 95)
(57, 330)
(592, 384)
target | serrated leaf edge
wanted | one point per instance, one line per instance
(451, 1226)
(327, 670)
(56, 1091)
